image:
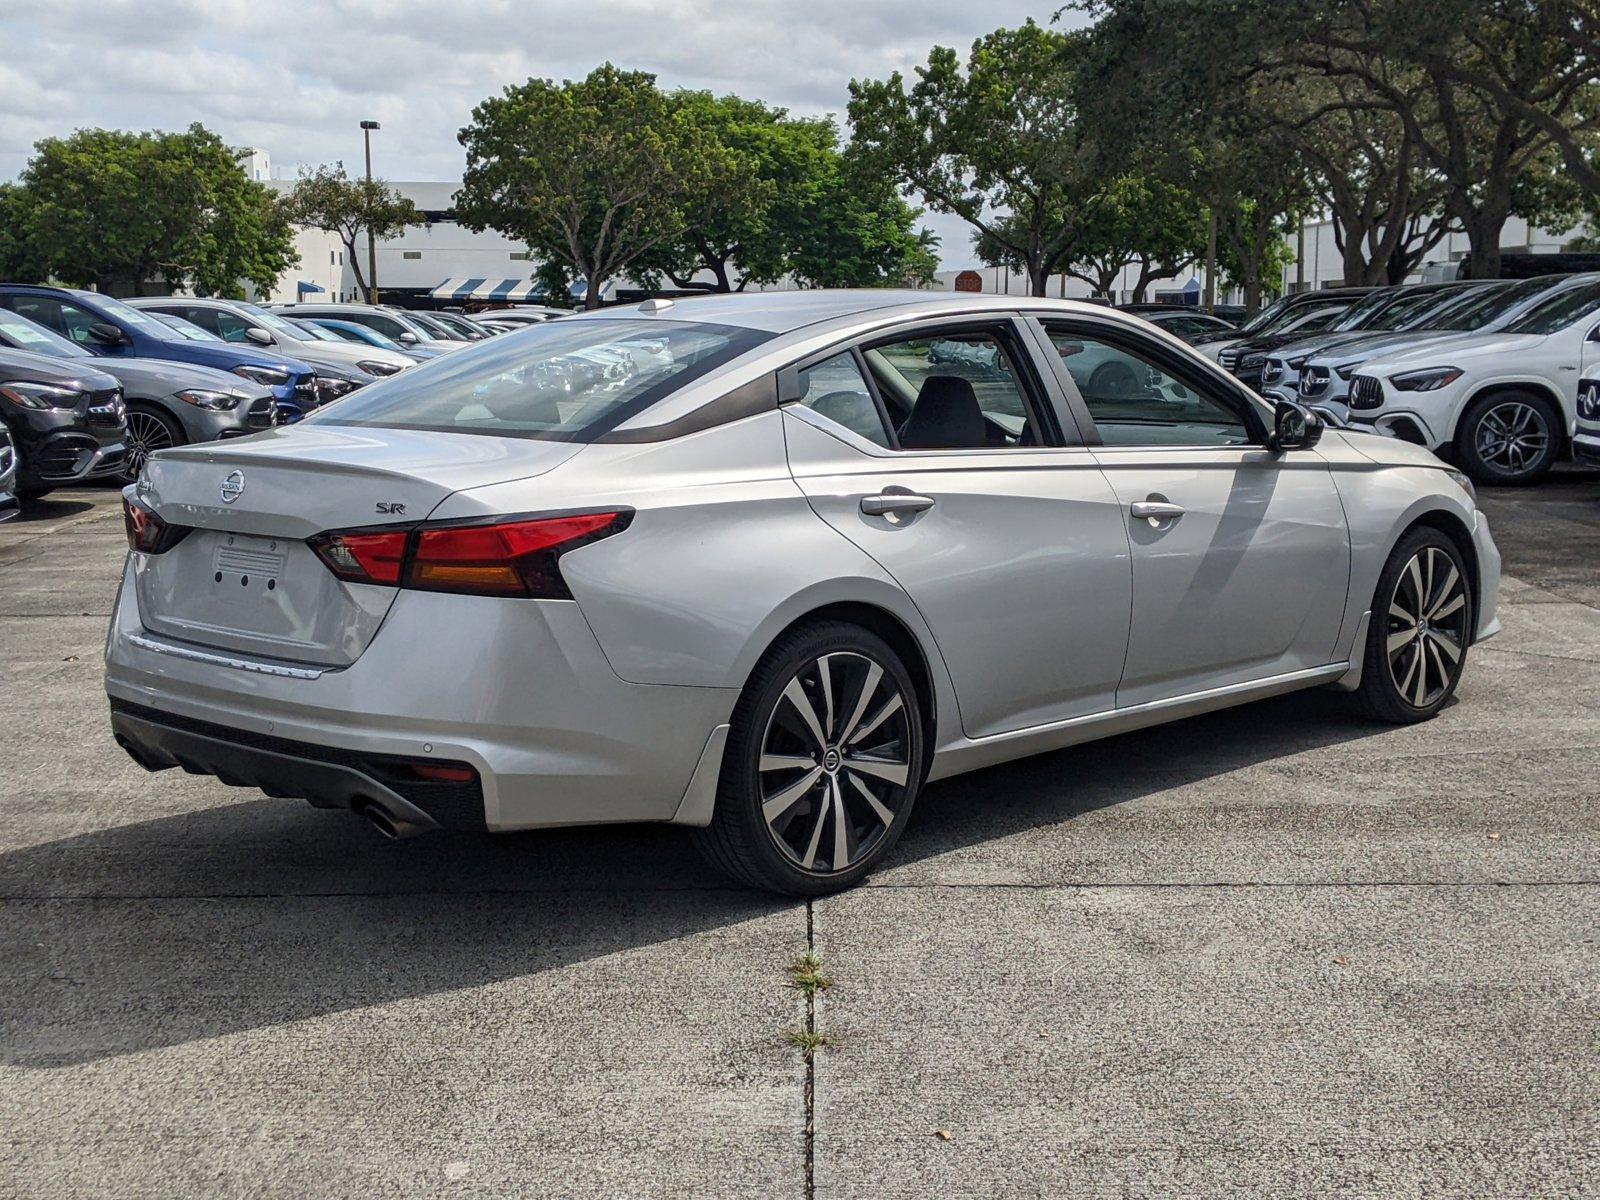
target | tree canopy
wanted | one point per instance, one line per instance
(327, 198)
(997, 144)
(116, 210)
(595, 174)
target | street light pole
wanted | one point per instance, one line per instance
(372, 249)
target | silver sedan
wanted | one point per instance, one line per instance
(763, 566)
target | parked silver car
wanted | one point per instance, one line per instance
(764, 565)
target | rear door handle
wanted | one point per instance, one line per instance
(888, 502)
(1155, 510)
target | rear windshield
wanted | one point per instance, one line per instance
(561, 380)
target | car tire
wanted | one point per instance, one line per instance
(838, 782)
(1508, 438)
(1419, 632)
(149, 429)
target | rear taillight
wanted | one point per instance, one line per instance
(148, 533)
(363, 557)
(499, 558)
(508, 558)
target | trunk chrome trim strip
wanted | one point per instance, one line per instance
(254, 666)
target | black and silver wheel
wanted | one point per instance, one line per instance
(149, 430)
(1420, 629)
(1508, 438)
(823, 763)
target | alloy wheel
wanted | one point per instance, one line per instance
(1427, 627)
(1512, 436)
(835, 766)
(146, 434)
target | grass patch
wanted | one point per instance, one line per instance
(807, 1039)
(805, 974)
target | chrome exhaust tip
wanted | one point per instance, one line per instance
(389, 824)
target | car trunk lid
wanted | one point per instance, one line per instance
(244, 578)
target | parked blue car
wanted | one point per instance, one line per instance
(111, 328)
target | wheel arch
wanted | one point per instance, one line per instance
(164, 406)
(1453, 527)
(1542, 388)
(902, 639)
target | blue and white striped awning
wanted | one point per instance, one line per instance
(484, 289)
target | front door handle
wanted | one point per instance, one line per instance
(1155, 511)
(897, 502)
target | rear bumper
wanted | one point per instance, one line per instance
(326, 776)
(517, 690)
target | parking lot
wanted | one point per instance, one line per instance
(1273, 951)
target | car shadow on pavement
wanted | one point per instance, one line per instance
(46, 509)
(255, 914)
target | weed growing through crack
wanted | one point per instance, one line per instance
(805, 973)
(807, 1039)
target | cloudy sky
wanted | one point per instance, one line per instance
(295, 76)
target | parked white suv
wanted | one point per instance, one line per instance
(1321, 380)
(1504, 402)
(1586, 441)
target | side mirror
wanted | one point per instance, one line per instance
(105, 334)
(260, 336)
(407, 338)
(1295, 427)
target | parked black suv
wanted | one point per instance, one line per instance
(67, 423)
(1296, 316)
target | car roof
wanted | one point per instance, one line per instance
(784, 312)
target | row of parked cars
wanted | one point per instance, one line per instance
(90, 386)
(1502, 377)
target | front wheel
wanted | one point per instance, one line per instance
(1509, 438)
(822, 766)
(149, 430)
(1420, 628)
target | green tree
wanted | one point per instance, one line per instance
(18, 262)
(997, 146)
(811, 215)
(327, 198)
(118, 210)
(595, 174)
(1142, 221)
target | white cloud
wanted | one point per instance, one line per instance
(296, 76)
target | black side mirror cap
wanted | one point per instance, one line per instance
(1295, 427)
(107, 334)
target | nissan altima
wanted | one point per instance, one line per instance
(763, 566)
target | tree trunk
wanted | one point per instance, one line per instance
(720, 270)
(1038, 279)
(591, 293)
(1483, 239)
(1211, 259)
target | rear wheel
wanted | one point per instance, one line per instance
(149, 430)
(822, 766)
(1508, 438)
(1421, 625)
